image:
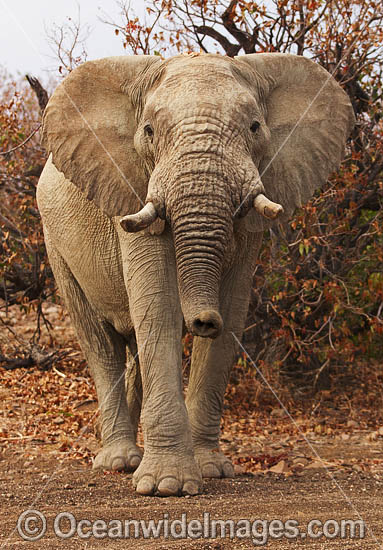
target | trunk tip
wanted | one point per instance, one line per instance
(207, 324)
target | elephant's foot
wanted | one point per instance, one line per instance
(119, 455)
(167, 475)
(213, 463)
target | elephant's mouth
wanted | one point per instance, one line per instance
(207, 324)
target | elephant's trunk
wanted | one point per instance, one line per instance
(201, 226)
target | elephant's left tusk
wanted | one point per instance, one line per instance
(267, 208)
(135, 222)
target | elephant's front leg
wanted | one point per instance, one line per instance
(168, 466)
(212, 361)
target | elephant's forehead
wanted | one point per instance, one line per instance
(201, 68)
(190, 80)
(198, 83)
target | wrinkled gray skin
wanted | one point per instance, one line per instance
(123, 131)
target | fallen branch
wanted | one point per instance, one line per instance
(34, 358)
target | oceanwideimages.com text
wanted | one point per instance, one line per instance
(32, 525)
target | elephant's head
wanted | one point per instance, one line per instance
(198, 141)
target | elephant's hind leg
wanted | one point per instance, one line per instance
(133, 383)
(105, 352)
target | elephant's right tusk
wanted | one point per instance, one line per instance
(135, 222)
(267, 208)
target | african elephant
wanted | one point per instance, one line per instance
(153, 209)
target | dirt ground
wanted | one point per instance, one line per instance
(52, 488)
(301, 467)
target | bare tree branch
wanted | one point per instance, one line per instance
(246, 41)
(230, 49)
(68, 42)
(21, 144)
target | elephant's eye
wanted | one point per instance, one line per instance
(254, 127)
(148, 131)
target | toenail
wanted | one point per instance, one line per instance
(135, 461)
(168, 486)
(228, 470)
(191, 488)
(145, 486)
(210, 470)
(118, 463)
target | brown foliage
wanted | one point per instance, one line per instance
(25, 277)
(318, 291)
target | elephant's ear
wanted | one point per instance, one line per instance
(309, 117)
(89, 125)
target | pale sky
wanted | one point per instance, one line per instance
(23, 41)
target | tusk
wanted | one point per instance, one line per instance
(135, 222)
(267, 208)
